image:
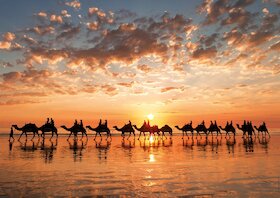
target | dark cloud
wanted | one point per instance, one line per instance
(69, 33)
(144, 68)
(205, 53)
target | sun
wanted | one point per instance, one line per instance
(150, 116)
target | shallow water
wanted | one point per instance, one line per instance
(216, 167)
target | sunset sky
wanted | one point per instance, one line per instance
(124, 59)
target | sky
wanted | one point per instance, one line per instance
(124, 59)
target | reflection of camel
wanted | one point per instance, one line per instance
(103, 147)
(185, 129)
(27, 128)
(128, 145)
(48, 150)
(75, 129)
(127, 128)
(262, 129)
(187, 144)
(77, 149)
(48, 127)
(248, 144)
(166, 129)
(228, 129)
(26, 147)
(230, 144)
(101, 128)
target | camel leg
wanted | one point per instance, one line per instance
(33, 136)
(52, 135)
(139, 135)
(129, 135)
(20, 136)
(268, 133)
(69, 135)
(95, 135)
(183, 135)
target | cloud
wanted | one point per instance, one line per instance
(144, 68)
(42, 14)
(5, 45)
(238, 16)
(42, 30)
(74, 4)
(123, 45)
(275, 46)
(205, 53)
(126, 84)
(213, 10)
(56, 18)
(9, 36)
(69, 33)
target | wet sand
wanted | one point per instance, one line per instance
(216, 167)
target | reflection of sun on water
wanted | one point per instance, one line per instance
(152, 158)
(151, 139)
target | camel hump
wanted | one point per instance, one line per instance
(30, 125)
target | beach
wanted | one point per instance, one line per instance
(152, 167)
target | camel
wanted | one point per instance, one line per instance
(246, 128)
(101, 128)
(27, 128)
(185, 129)
(166, 129)
(75, 129)
(143, 129)
(262, 129)
(127, 128)
(214, 128)
(228, 129)
(242, 128)
(48, 127)
(201, 128)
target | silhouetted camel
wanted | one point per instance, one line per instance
(185, 129)
(75, 129)
(101, 128)
(143, 129)
(27, 128)
(214, 128)
(201, 128)
(48, 127)
(127, 128)
(247, 128)
(228, 129)
(166, 129)
(242, 128)
(262, 129)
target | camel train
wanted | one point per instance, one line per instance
(49, 127)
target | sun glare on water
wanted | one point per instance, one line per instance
(150, 116)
